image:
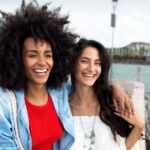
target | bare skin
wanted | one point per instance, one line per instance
(135, 134)
(121, 100)
(38, 62)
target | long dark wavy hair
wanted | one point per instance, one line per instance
(40, 23)
(102, 87)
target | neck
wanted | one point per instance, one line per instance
(83, 96)
(37, 94)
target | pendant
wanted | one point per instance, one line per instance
(90, 139)
(92, 134)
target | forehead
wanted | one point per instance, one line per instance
(90, 52)
(31, 43)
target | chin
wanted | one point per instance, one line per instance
(89, 84)
(41, 82)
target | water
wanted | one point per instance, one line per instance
(129, 72)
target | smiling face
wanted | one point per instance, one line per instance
(88, 67)
(38, 61)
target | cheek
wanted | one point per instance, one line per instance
(81, 67)
(27, 69)
(99, 71)
(78, 69)
(27, 64)
(51, 63)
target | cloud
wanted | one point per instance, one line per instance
(91, 18)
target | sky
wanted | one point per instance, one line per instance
(91, 19)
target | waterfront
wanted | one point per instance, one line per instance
(130, 71)
(135, 72)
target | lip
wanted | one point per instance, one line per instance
(43, 70)
(88, 75)
(40, 73)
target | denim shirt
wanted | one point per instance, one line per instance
(7, 136)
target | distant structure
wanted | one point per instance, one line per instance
(134, 52)
(113, 22)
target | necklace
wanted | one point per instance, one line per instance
(89, 139)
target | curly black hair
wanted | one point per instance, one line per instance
(32, 20)
(102, 88)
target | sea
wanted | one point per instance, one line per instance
(135, 72)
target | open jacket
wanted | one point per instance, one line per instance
(7, 136)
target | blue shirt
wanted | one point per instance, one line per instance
(7, 136)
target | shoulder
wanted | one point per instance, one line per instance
(60, 98)
(65, 88)
(4, 98)
(5, 105)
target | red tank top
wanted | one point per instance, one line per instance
(45, 126)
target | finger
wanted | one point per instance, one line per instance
(115, 104)
(128, 108)
(124, 116)
(132, 107)
(122, 106)
(117, 114)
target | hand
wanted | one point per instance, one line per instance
(135, 120)
(122, 101)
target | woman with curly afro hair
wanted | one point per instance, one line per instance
(35, 45)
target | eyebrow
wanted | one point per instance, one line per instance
(35, 51)
(89, 58)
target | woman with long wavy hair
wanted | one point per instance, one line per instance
(97, 125)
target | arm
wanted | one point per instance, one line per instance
(122, 101)
(6, 135)
(135, 134)
(133, 137)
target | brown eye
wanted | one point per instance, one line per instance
(98, 63)
(31, 55)
(49, 55)
(84, 61)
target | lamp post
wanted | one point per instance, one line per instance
(113, 23)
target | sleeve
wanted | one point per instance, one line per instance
(69, 87)
(56, 146)
(122, 145)
(7, 141)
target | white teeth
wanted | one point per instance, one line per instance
(88, 75)
(40, 70)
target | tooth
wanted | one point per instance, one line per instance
(40, 70)
(89, 75)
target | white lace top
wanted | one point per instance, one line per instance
(103, 136)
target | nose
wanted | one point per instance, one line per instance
(91, 67)
(41, 60)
